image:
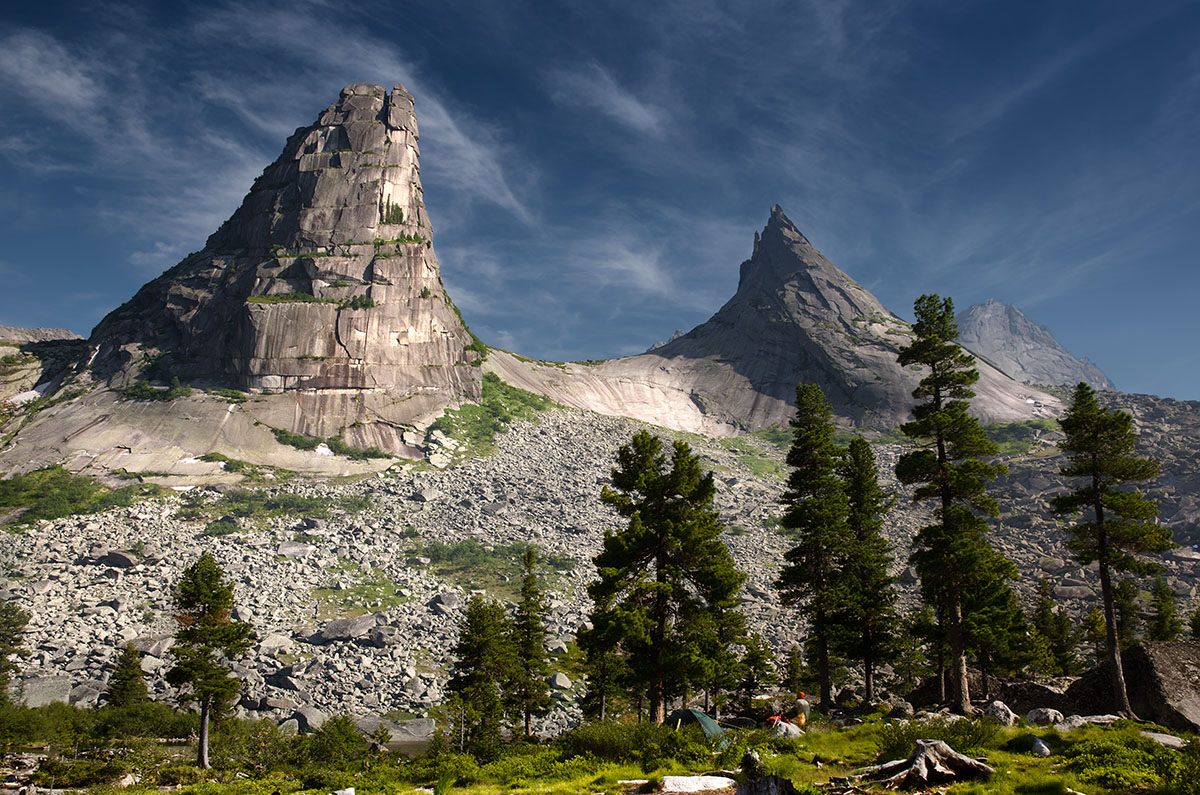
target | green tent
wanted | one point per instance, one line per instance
(683, 717)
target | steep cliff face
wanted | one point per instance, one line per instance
(323, 285)
(1028, 352)
(795, 318)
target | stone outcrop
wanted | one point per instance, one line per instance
(1162, 680)
(795, 318)
(323, 285)
(1028, 352)
(20, 336)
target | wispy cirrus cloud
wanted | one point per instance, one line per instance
(592, 87)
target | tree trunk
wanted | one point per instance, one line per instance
(960, 697)
(868, 680)
(205, 709)
(1120, 696)
(824, 684)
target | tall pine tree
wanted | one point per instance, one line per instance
(815, 512)
(667, 578)
(206, 640)
(484, 661)
(127, 685)
(12, 628)
(867, 611)
(1117, 525)
(947, 469)
(1164, 623)
(529, 691)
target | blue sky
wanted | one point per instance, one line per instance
(595, 171)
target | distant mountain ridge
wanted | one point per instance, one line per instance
(1025, 350)
(796, 317)
(317, 312)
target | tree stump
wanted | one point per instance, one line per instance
(931, 762)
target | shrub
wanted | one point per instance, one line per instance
(220, 527)
(144, 719)
(53, 492)
(61, 772)
(1123, 762)
(649, 744)
(141, 390)
(295, 440)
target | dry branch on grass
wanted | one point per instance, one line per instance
(931, 762)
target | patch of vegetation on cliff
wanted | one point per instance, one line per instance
(1019, 438)
(374, 591)
(754, 458)
(334, 443)
(497, 568)
(355, 302)
(53, 492)
(500, 405)
(141, 390)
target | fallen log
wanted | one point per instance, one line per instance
(931, 762)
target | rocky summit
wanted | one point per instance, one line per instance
(321, 297)
(796, 317)
(323, 285)
(1006, 338)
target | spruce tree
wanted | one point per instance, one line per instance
(12, 627)
(484, 661)
(1053, 623)
(529, 691)
(206, 639)
(127, 685)
(758, 673)
(1116, 527)
(815, 513)
(994, 624)
(1093, 632)
(1127, 604)
(794, 673)
(667, 578)
(1194, 624)
(609, 677)
(947, 468)
(867, 610)
(1164, 624)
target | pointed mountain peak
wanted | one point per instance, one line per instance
(1028, 352)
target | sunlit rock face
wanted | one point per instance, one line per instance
(795, 318)
(323, 285)
(1028, 352)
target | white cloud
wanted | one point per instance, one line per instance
(594, 87)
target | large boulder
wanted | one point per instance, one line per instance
(38, 691)
(343, 629)
(1162, 680)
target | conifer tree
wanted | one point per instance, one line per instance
(1194, 624)
(667, 577)
(916, 646)
(815, 512)
(1117, 526)
(993, 622)
(1053, 623)
(758, 673)
(484, 661)
(1164, 624)
(947, 468)
(12, 627)
(608, 674)
(529, 691)
(794, 673)
(867, 609)
(127, 685)
(206, 639)
(1127, 603)
(1093, 632)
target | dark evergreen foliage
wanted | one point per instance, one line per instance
(528, 691)
(206, 639)
(1054, 624)
(946, 467)
(1164, 623)
(667, 579)
(758, 672)
(12, 628)
(484, 661)
(1127, 604)
(867, 610)
(127, 685)
(816, 514)
(1116, 527)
